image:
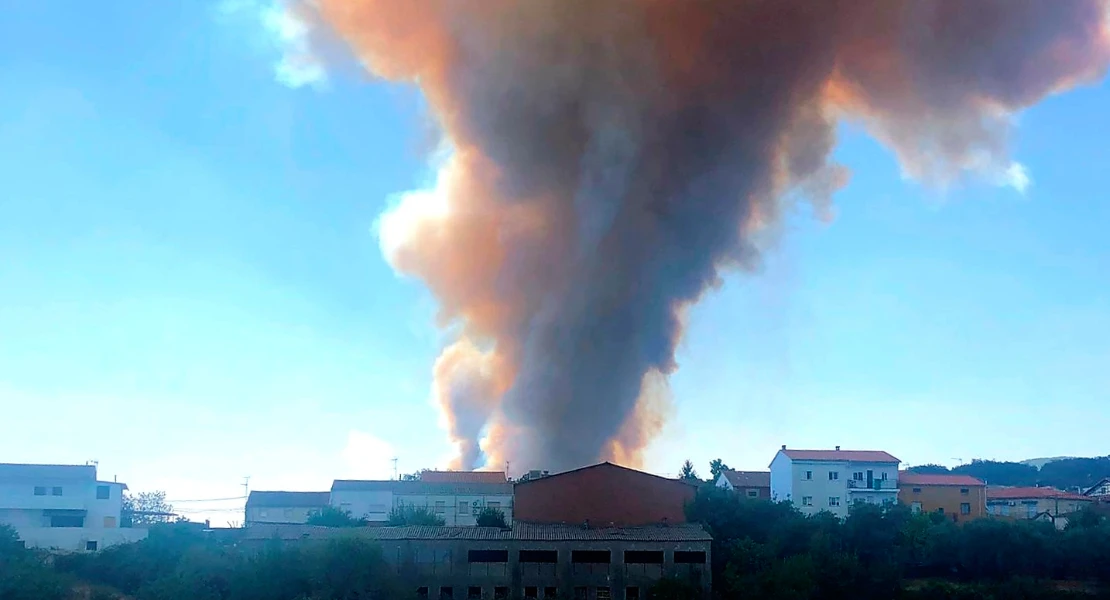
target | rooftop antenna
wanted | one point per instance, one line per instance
(394, 467)
(507, 463)
(246, 486)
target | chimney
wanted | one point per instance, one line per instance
(784, 446)
(838, 448)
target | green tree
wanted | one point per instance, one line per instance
(414, 515)
(146, 508)
(330, 516)
(491, 517)
(716, 466)
(688, 473)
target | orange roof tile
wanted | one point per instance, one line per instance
(911, 478)
(1019, 493)
(877, 456)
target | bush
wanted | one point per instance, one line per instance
(331, 516)
(414, 515)
(491, 517)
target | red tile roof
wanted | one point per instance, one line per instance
(877, 456)
(748, 479)
(1021, 493)
(911, 478)
(463, 476)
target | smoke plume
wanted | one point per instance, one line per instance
(610, 159)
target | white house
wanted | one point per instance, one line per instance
(457, 502)
(833, 480)
(63, 507)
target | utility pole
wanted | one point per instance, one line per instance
(507, 463)
(394, 468)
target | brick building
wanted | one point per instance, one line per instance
(529, 561)
(604, 495)
(961, 497)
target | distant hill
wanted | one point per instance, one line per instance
(1066, 473)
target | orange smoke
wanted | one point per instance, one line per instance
(610, 158)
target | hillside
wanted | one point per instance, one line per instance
(1063, 473)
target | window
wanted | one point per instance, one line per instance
(494, 505)
(441, 507)
(550, 593)
(883, 476)
(647, 557)
(964, 491)
(917, 490)
(500, 593)
(689, 557)
(589, 556)
(809, 475)
(109, 522)
(940, 511)
(580, 593)
(473, 593)
(1031, 510)
(90, 546)
(539, 556)
(965, 508)
(55, 491)
(833, 475)
(422, 593)
(464, 508)
(103, 492)
(531, 591)
(446, 593)
(915, 507)
(857, 476)
(67, 521)
(632, 593)
(487, 556)
(834, 500)
(602, 593)
(807, 500)
(753, 493)
(263, 514)
(40, 490)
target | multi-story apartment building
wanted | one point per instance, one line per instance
(833, 480)
(959, 497)
(63, 507)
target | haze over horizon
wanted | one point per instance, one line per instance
(192, 290)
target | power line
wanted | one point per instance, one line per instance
(207, 500)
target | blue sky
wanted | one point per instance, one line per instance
(191, 290)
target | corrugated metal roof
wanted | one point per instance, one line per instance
(263, 499)
(876, 456)
(911, 478)
(686, 532)
(1023, 493)
(424, 488)
(463, 477)
(748, 479)
(21, 471)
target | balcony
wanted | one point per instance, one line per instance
(877, 485)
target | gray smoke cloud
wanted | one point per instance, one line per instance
(611, 159)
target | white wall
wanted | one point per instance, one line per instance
(451, 515)
(76, 539)
(373, 505)
(820, 488)
(781, 478)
